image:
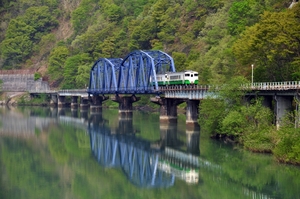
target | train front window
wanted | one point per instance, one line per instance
(187, 74)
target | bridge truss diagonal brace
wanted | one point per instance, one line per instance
(125, 102)
(168, 108)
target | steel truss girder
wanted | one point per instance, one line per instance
(135, 74)
(103, 77)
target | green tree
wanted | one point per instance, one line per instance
(143, 34)
(82, 15)
(272, 45)
(227, 98)
(239, 15)
(179, 61)
(57, 60)
(40, 19)
(228, 114)
(113, 12)
(16, 49)
(133, 7)
(18, 27)
(24, 32)
(287, 148)
(73, 72)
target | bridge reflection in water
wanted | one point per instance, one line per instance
(146, 164)
(135, 156)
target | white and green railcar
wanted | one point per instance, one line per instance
(178, 78)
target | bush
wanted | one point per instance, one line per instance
(37, 76)
(287, 148)
(260, 140)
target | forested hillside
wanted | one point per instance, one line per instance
(61, 39)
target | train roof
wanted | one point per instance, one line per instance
(182, 72)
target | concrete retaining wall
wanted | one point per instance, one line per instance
(22, 82)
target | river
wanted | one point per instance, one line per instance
(64, 154)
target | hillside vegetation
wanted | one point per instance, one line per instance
(220, 39)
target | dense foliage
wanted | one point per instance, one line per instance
(251, 124)
(218, 38)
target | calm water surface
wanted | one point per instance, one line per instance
(50, 153)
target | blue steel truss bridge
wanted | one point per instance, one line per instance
(135, 74)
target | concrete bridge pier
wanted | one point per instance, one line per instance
(283, 105)
(74, 102)
(96, 102)
(61, 101)
(168, 108)
(84, 103)
(192, 112)
(125, 102)
(53, 100)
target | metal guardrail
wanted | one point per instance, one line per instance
(73, 91)
(289, 85)
(259, 86)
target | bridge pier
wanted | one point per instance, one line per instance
(96, 102)
(61, 101)
(84, 103)
(125, 102)
(283, 105)
(192, 111)
(53, 100)
(168, 108)
(74, 102)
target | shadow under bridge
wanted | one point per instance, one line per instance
(135, 74)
